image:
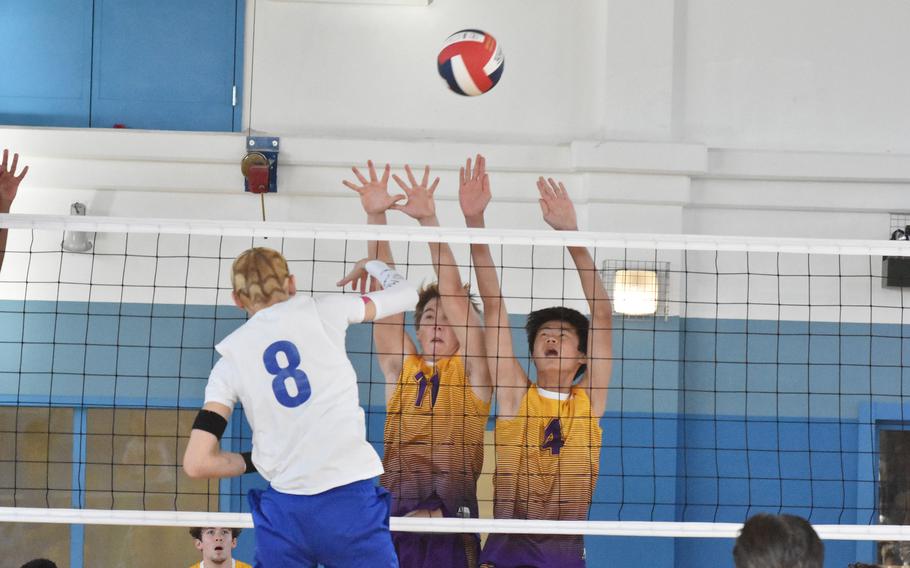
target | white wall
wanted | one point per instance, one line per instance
(358, 70)
(812, 74)
(700, 116)
(754, 117)
(756, 74)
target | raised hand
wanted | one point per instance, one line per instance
(420, 204)
(357, 277)
(558, 210)
(374, 193)
(9, 181)
(474, 188)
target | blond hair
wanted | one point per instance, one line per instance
(259, 277)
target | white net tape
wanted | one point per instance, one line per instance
(781, 282)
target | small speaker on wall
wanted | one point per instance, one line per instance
(896, 269)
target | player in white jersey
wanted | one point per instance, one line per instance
(288, 366)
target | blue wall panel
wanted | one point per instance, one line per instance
(46, 47)
(701, 426)
(144, 63)
(165, 64)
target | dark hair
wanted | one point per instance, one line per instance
(196, 532)
(537, 318)
(39, 563)
(778, 541)
(430, 291)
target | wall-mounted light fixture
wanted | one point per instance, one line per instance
(637, 288)
(76, 241)
(635, 292)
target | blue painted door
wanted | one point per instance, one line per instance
(166, 64)
(47, 64)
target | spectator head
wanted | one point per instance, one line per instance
(778, 541)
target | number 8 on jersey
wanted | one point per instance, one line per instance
(281, 374)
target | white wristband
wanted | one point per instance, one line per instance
(398, 295)
(387, 277)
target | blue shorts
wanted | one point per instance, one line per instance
(344, 527)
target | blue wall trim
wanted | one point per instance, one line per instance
(707, 420)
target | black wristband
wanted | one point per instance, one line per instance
(248, 459)
(210, 422)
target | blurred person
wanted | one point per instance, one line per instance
(39, 563)
(217, 545)
(9, 186)
(778, 541)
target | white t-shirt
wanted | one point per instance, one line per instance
(289, 368)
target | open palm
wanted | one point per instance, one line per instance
(474, 188)
(9, 181)
(558, 210)
(374, 193)
(420, 204)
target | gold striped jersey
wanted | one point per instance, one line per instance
(547, 458)
(434, 438)
(235, 564)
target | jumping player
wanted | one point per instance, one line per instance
(438, 397)
(288, 366)
(548, 435)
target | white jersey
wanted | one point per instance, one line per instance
(289, 368)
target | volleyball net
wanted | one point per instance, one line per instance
(749, 374)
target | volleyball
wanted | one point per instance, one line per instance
(471, 62)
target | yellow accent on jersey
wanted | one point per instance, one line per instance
(547, 469)
(434, 448)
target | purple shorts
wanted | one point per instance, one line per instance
(435, 550)
(533, 551)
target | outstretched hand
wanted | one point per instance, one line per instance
(420, 204)
(558, 210)
(358, 277)
(374, 193)
(474, 188)
(9, 181)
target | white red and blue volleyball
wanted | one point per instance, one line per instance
(471, 62)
